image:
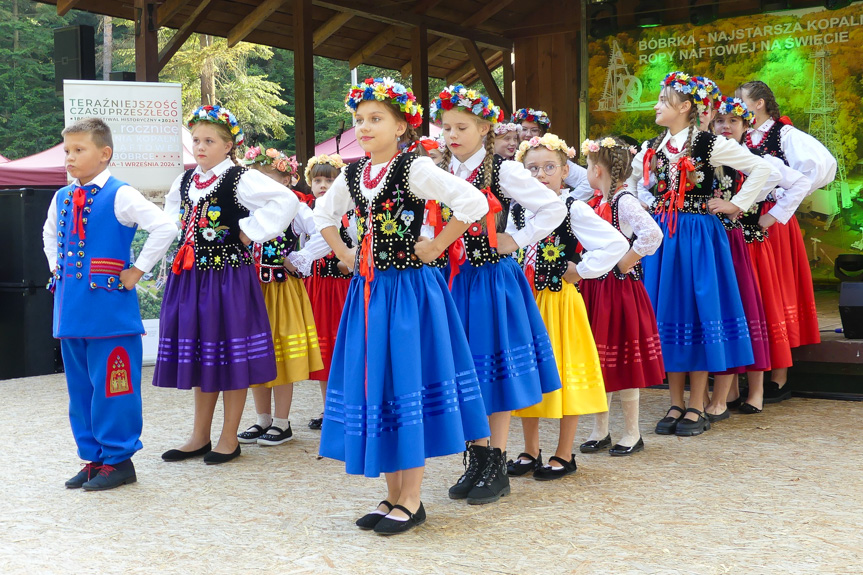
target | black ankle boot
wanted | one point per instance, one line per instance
(494, 482)
(475, 459)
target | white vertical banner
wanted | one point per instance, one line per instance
(146, 122)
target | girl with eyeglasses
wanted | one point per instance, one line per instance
(554, 267)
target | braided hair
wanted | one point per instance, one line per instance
(617, 160)
(758, 90)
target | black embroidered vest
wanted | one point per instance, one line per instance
(771, 143)
(477, 248)
(636, 273)
(217, 222)
(394, 216)
(725, 185)
(553, 253)
(328, 266)
(695, 200)
(270, 256)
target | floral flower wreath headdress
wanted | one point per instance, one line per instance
(501, 129)
(737, 107)
(688, 86)
(531, 115)
(334, 160)
(592, 146)
(389, 91)
(270, 157)
(218, 115)
(549, 140)
(712, 93)
(468, 100)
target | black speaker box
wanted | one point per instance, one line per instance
(26, 344)
(851, 309)
(74, 54)
(122, 76)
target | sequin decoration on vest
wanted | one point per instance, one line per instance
(725, 185)
(771, 143)
(674, 191)
(546, 262)
(636, 272)
(210, 237)
(478, 250)
(328, 266)
(394, 216)
(752, 231)
(270, 256)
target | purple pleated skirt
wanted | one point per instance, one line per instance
(753, 307)
(214, 332)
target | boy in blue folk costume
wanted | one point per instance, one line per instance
(87, 238)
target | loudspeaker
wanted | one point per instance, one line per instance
(851, 309)
(74, 55)
(22, 214)
(27, 347)
(122, 76)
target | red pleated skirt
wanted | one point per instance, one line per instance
(795, 280)
(767, 278)
(327, 295)
(624, 328)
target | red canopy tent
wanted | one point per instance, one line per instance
(349, 148)
(3, 159)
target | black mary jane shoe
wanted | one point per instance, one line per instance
(524, 466)
(775, 394)
(177, 455)
(593, 446)
(692, 427)
(749, 409)
(316, 422)
(735, 403)
(252, 434)
(216, 458)
(621, 450)
(668, 424)
(390, 526)
(718, 416)
(548, 473)
(369, 520)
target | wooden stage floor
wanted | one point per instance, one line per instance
(777, 492)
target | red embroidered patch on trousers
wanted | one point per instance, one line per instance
(118, 378)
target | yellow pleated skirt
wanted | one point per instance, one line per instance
(583, 390)
(295, 337)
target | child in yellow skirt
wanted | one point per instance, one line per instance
(554, 267)
(291, 320)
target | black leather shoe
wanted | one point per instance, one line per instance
(719, 416)
(668, 424)
(749, 409)
(524, 466)
(390, 526)
(177, 455)
(548, 473)
(735, 403)
(111, 476)
(593, 446)
(216, 458)
(90, 471)
(276, 436)
(621, 450)
(316, 422)
(474, 459)
(690, 427)
(774, 394)
(251, 435)
(494, 482)
(369, 520)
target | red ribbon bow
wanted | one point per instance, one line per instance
(603, 210)
(493, 208)
(78, 202)
(648, 157)
(307, 199)
(185, 258)
(457, 256)
(435, 216)
(675, 198)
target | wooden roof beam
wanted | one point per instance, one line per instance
(330, 27)
(186, 30)
(466, 71)
(386, 36)
(487, 12)
(252, 21)
(168, 10)
(484, 74)
(63, 6)
(437, 26)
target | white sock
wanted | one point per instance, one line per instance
(281, 423)
(629, 399)
(600, 423)
(265, 420)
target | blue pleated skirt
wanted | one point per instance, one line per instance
(509, 341)
(410, 390)
(693, 288)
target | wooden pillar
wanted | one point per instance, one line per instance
(583, 76)
(146, 41)
(304, 81)
(420, 72)
(508, 80)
